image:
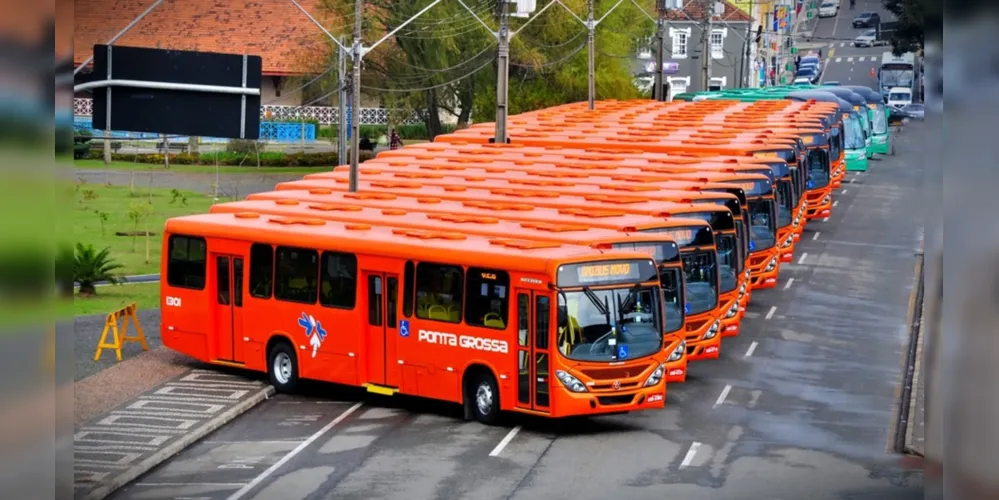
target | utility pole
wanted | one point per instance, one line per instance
(657, 91)
(591, 29)
(355, 88)
(747, 63)
(502, 71)
(706, 45)
(341, 147)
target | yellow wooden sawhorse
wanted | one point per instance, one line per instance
(120, 337)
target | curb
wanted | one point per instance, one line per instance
(161, 456)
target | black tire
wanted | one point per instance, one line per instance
(484, 384)
(282, 367)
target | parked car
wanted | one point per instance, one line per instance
(811, 73)
(914, 111)
(866, 20)
(899, 97)
(811, 59)
(829, 8)
(868, 38)
(802, 80)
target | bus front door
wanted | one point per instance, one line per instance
(534, 313)
(382, 291)
(229, 308)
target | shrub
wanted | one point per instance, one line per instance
(92, 266)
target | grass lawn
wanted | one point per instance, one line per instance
(94, 201)
(113, 297)
(203, 169)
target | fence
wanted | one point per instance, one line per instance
(278, 123)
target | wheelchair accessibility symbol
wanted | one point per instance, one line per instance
(404, 328)
(622, 351)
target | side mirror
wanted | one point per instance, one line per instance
(563, 317)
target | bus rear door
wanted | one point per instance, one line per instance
(228, 309)
(534, 313)
(381, 291)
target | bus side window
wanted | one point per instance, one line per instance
(296, 276)
(542, 313)
(338, 282)
(187, 263)
(439, 292)
(261, 271)
(487, 299)
(407, 289)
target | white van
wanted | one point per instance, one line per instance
(829, 8)
(899, 96)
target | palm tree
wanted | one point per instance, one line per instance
(92, 266)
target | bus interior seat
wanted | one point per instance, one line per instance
(438, 313)
(493, 320)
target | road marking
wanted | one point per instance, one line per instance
(849, 59)
(839, 59)
(174, 485)
(690, 454)
(291, 454)
(860, 59)
(752, 348)
(788, 284)
(770, 313)
(802, 259)
(723, 395)
(825, 219)
(843, 191)
(505, 441)
(836, 203)
(816, 235)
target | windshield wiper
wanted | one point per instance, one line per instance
(601, 308)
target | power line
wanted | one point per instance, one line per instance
(423, 89)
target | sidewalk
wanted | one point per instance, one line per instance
(135, 415)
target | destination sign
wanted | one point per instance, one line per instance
(666, 251)
(755, 188)
(766, 154)
(686, 236)
(606, 273)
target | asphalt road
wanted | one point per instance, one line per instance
(799, 406)
(845, 63)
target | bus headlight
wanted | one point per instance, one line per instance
(742, 291)
(570, 382)
(771, 265)
(656, 376)
(732, 311)
(825, 200)
(712, 331)
(678, 352)
(788, 241)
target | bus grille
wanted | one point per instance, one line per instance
(616, 400)
(693, 327)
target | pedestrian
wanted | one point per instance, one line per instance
(395, 142)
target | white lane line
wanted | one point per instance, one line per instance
(825, 219)
(839, 59)
(788, 284)
(771, 312)
(860, 59)
(690, 454)
(723, 395)
(816, 235)
(836, 203)
(505, 441)
(752, 349)
(849, 59)
(291, 454)
(843, 191)
(175, 485)
(802, 259)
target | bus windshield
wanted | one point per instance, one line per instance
(700, 269)
(879, 123)
(762, 225)
(610, 324)
(854, 136)
(896, 78)
(729, 276)
(818, 169)
(834, 142)
(671, 281)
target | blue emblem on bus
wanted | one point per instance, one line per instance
(622, 351)
(686, 309)
(752, 245)
(404, 328)
(314, 330)
(811, 184)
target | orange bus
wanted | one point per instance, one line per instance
(698, 251)
(470, 320)
(664, 251)
(730, 241)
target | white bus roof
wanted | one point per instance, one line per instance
(906, 58)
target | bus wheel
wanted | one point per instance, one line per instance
(282, 368)
(484, 396)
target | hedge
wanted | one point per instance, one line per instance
(267, 159)
(415, 131)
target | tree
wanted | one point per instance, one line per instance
(444, 60)
(92, 266)
(909, 35)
